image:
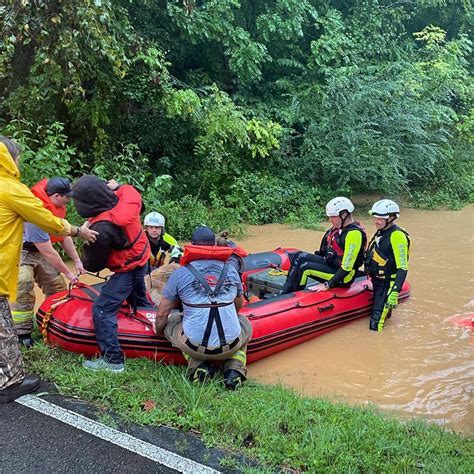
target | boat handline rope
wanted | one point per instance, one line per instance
(47, 316)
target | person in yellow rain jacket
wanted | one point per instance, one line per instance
(17, 205)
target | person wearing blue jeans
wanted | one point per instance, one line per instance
(127, 286)
(122, 247)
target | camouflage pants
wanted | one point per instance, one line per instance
(11, 363)
(33, 267)
(235, 358)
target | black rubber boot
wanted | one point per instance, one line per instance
(291, 282)
(373, 326)
(203, 373)
(26, 340)
(30, 384)
(233, 379)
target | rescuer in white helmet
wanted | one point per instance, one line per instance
(160, 242)
(340, 255)
(386, 261)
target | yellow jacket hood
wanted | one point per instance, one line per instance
(8, 166)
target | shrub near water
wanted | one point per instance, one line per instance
(187, 213)
(261, 199)
(373, 96)
(253, 198)
(269, 423)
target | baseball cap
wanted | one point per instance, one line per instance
(59, 185)
(203, 235)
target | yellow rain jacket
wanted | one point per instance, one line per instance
(18, 204)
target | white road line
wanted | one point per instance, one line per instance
(125, 441)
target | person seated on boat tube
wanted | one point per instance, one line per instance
(340, 255)
(40, 262)
(386, 261)
(210, 329)
(160, 241)
(122, 247)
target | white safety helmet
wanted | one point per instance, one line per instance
(335, 206)
(155, 219)
(384, 209)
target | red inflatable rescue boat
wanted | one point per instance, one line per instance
(65, 319)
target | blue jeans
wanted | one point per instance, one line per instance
(128, 286)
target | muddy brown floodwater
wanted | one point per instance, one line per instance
(421, 364)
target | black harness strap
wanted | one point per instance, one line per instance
(133, 259)
(214, 308)
(217, 350)
(134, 241)
(200, 278)
(207, 305)
(220, 329)
(138, 257)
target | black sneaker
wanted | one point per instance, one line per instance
(29, 384)
(26, 340)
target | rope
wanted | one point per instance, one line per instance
(44, 325)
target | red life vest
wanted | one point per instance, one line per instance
(209, 252)
(126, 215)
(333, 237)
(332, 241)
(39, 190)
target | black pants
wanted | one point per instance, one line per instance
(380, 313)
(306, 265)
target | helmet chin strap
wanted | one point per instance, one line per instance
(389, 221)
(343, 219)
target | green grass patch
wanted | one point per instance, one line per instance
(269, 423)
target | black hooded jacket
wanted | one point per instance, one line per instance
(92, 196)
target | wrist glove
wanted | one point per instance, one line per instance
(392, 300)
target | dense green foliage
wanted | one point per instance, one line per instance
(271, 424)
(262, 108)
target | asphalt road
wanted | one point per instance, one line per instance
(38, 439)
(33, 442)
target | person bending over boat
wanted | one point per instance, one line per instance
(340, 255)
(19, 204)
(210, 330)
(386, 261)
(160, 241)
(122, 247)
(40, 262)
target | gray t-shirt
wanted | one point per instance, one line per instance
(32, 233)
(183, 285)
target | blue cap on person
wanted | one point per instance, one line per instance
(203, 235)
(59, 185)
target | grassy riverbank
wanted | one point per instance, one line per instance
(269, 423)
